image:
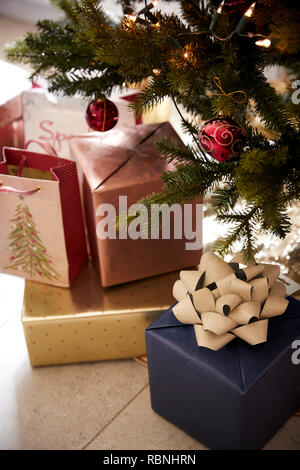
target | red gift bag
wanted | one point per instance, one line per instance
(42, 235)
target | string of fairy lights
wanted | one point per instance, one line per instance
(131, 17)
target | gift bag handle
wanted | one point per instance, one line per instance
(9, 189)
(45, 146)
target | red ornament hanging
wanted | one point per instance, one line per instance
(102, 115)
(222, 138)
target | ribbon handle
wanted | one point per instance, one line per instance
(45, 146)
(9, 189)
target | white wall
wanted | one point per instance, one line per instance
(33, 10)
(27, 10)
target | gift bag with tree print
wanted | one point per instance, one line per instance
(42, 234)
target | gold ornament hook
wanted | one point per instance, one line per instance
(217, 82)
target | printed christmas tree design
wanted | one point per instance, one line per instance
(27, 252)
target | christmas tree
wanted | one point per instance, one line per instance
(27, 252)
(210, 60)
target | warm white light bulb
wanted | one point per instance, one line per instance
(250, 10)
(220, 8)
(263, 42)
(133, 18)
(155, 2)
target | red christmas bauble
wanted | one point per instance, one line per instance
(222, 138)
(102, 115)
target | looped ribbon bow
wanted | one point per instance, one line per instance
(230, 95)
(224, 301)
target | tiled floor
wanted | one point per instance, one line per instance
(89, 406)
(102, 405)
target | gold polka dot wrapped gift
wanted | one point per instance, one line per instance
(224, 301)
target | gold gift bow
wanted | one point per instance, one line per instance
(217, 82)
(223, 301)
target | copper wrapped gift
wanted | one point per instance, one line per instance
(125, 162)
(224, 301)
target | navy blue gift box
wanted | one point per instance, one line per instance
(234, 398)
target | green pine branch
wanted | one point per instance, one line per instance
(87, 53)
